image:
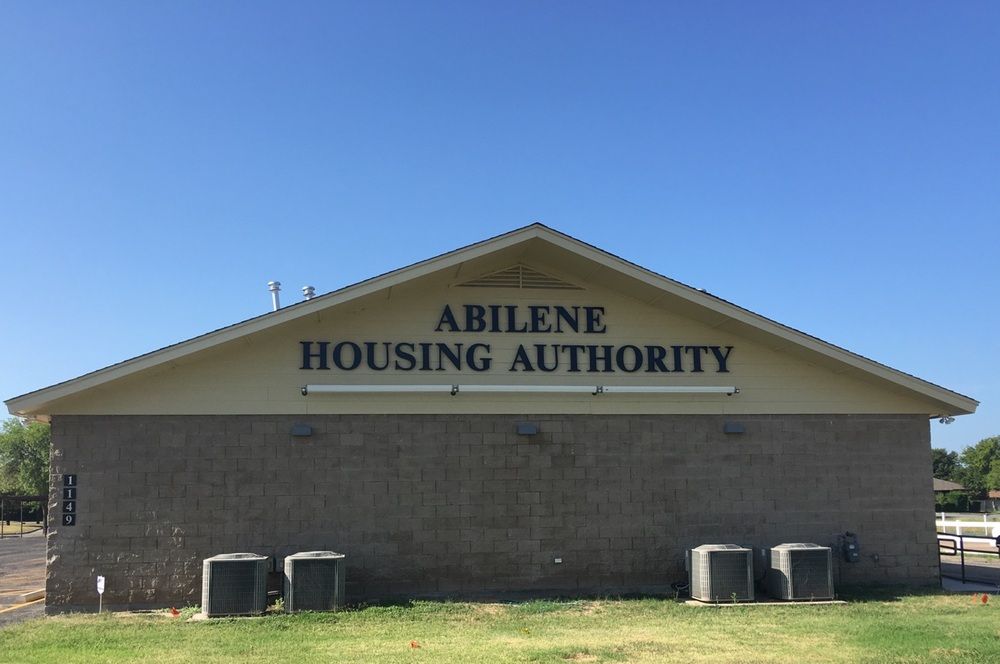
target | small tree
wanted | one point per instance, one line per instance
(993, 477)
(981, 465)
(24, 458)
(945, 463)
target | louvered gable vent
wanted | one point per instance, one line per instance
(519, 276)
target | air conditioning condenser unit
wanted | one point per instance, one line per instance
(800, 571)
(314, 581)
(721, 573)
(234, 584)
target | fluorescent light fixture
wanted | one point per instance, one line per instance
(667, 389)
(524, 389)
(537, 389)
(375, 389)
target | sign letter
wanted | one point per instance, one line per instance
(447, 318)
(308, 354)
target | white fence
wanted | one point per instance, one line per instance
(984, 529)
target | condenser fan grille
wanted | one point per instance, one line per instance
(722, 572)
(234, 584)
(800, 571)
(314, 581)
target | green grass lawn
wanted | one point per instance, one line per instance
(916, 628)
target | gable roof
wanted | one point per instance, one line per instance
(33, 404)
(946, 485)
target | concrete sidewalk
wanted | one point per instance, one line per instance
(22, 570)
(980, 575)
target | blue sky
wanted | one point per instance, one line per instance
(834, 166)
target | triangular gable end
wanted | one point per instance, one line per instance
(527, 253)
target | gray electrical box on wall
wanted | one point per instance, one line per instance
(850, 548)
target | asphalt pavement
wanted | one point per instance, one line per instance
(22, 570)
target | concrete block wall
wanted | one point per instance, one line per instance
(462, 506)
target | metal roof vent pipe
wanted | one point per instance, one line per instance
(308, 292)
(275, 288)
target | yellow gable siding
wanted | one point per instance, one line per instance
(261, 372)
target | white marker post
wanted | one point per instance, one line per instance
(100, 593)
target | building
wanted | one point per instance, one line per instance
(992, 502)
(944, 486)
(525, 415)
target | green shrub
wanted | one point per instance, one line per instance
(952, 501)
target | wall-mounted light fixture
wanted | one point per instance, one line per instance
(527, 429)
(302, 430)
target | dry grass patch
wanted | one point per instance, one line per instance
(15, 528)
